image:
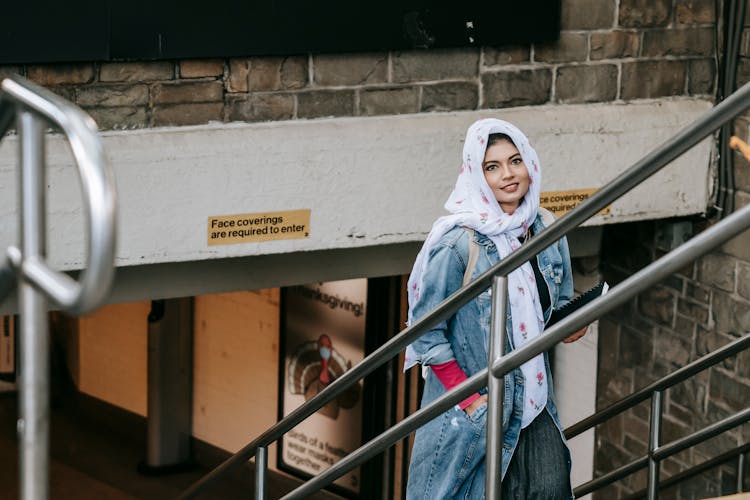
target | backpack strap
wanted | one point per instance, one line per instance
(473, 256)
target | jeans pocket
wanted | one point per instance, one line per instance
(477, 416)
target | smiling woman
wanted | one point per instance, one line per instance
(505, 172)
(494, 208)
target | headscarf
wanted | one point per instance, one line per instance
(472, 204)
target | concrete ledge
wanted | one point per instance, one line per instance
(367, 181)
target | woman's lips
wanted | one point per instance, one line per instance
(510, 188)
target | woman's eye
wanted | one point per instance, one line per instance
(516, 161)
(490, 168)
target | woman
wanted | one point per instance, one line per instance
(495, 203)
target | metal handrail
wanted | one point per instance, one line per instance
(641, 395)
(643, 169)
(647, 277)
(662, 384)
(664, 452)
(100, 200)
(738, 452)
(34, 108)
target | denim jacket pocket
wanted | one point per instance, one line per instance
(479, 415)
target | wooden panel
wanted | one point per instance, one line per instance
(236, 367)
(112, 355)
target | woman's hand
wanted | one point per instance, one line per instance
(476, 404)
(577, 335)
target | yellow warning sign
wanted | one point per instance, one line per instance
(252, 228)
(562, 202)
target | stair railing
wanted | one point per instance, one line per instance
(33, 108)
(496, 277)
(657, 451)
(739, 454)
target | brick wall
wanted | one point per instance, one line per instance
(608, 50)
(695, 311)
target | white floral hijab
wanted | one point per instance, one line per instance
(472, 204)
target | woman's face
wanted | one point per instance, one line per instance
(506, 174)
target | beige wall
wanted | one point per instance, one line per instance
(236, 353)
(112, 349)
(236, 367)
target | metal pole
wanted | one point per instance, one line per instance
(33, 391)
(495, 390)
(741, 473)
(653, 445)
(261, 467)
(170, 384)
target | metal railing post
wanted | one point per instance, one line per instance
(33, 391)
(495, 387)
(653, 445)
(741, 473)
(261, 469)
(34, 107)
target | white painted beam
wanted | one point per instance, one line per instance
(367, 181)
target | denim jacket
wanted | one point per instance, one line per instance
(448, 455)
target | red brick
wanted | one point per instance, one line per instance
(745, 44)
(577, 84)
(188, 114)
(179, 92)
(614, 44)
(647, 79)
(739, 246)
(587, 14)
(673, 347)
(516, 88)
(136, 71)
(678, 42)
(435, 65)
(645, 13)
(67, 92)
(350, 69)
(238, 73)
(277, 73)
(697, 292)
(658, 304)
(119, 118)
(260, 107)
(58, 74)
(388, 101)
(730, 314)
(112, 95)
(320, 103)
(506, 55)
(198, 68)
(717, 270)
(727, 388)
(450, 96)
(570, 47)
(701, 76)
(695, 11)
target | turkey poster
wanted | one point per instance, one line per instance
(323, 336)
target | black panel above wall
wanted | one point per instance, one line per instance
(34, 31)
(86, 30)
